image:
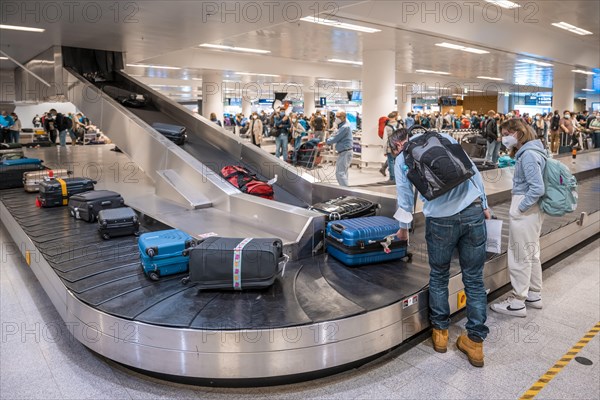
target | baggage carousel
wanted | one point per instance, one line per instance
(319, 317)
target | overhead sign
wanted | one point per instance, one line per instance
(322, 101)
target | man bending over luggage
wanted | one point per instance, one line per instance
(454, 220)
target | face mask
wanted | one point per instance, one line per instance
(294, 120)
(567, 116)
(509, 141)
(338, 121)
(281, 114)
(255, 116)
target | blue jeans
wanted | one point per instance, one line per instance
(297, 144)
(14, 136)
(466, 232)
(493, 152)
(281, 146)
(391, 159)
(62, 137)
(341, 167)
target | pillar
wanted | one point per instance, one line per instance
(563, 88)
(309, 103)
(212, 94)
(404, 98)
(502, 105)
(378, 86)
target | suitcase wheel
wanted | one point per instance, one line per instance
(153, 275)
(105, 236)
(185, 280)
(408, 257)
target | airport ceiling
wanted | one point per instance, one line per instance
(167, 33)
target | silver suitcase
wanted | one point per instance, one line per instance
(31, 180)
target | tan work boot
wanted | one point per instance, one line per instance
(473, 350)
(439, 337)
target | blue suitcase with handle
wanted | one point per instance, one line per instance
(368, 240)
(165, 252)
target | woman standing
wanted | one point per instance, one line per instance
(256, 129)
(526, 218)
(15, 129)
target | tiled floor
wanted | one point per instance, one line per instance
(40, 360)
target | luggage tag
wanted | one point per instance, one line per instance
(387, 243)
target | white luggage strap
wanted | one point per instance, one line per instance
(387, 243)
(237, 263)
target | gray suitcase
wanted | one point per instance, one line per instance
(235, 264)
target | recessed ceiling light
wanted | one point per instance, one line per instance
(588, 90)
(490, 78)
(152, 66)
(333, 80)
(337, 60)
(542, 64)
(338, 24)
(580, 71)
(21, 28)
(250, 73)
(571, 28)
(504, 3)
(426, 71)
(462, 48)
(232, 48)
(196, 79)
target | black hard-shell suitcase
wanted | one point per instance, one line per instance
(11, 176)
(56, 192)
(86, 206)
(174, 133)
(564, 147)
(11, 150)
(116, 222)
(235, 264)
(126, 97)
(346, 207)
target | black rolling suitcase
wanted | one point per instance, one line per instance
(86, 206)
(11, 171)
(126, 97)
(346, 207)
(56, 192)
(235, 264)
(118, 222)
(175, 133)
(564, 147)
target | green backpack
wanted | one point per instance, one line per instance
(560, 197)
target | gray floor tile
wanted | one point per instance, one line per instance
(15, 387)
(426, 386)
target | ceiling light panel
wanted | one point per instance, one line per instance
(252, 74)
(534, 62)
(338, 24)
(462, 48)
(152, 66)
(232, 48)
(337, 60)
(504, 4)
(490, 78)
(571, 28)
(427, 71)
(21, 28)
(580, 71)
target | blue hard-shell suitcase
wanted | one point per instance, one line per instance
(165, 252)
(21, 161)
(367, 240)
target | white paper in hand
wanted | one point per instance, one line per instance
(494, 235)
(403, 216)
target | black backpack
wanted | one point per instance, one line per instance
(436, 165)
(555, 122)
(63, 122)
(319, 125)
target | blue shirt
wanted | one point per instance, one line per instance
(7, 121)
(343, 139)
(448, 204)
(408, 122)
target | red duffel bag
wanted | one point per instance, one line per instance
(247, 182)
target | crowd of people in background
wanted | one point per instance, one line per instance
(56, 125)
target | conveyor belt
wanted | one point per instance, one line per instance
(108, 276)
(211, 156)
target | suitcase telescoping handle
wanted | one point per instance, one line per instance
(339, 228)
